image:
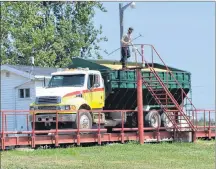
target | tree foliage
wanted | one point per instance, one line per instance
(51, 32)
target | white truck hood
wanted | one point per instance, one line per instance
(59, 91)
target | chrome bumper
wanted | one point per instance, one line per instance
(52, 118)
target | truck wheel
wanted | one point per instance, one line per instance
(166, 122)
(152, 119)
(85, 120)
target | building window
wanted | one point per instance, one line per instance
(24, 93)
(27, 93)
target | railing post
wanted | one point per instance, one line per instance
(209, 127)
(122, 129)
(140, 106)
(135, 53)
(6, 122)
(158, 133)
(27, 120)
(99, 128)
(209, 119)
(56, 132)
(204, 120)
(33, 131)
(78, 128)
(2, 134)
(142, 50)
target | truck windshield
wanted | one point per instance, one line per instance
(67, 80)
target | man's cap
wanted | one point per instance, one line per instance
(130, 28)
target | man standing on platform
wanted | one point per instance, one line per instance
(125, 51)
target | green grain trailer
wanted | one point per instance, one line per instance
(121, 88)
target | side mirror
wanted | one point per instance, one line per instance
(96, 85)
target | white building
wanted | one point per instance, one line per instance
(19, 86)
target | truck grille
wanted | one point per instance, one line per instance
(47, 108)
(48, 100)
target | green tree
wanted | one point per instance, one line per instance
(52, 32)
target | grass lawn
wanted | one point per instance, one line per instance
(200, 155)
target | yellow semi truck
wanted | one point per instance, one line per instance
(102, 85)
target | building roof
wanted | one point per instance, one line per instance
(35, 70)
(29, 71)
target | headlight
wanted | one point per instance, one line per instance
(67, 107)
(33, 108)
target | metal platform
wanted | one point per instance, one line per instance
(99, 135)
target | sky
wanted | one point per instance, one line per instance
(183, 33)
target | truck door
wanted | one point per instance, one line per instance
(96, 91)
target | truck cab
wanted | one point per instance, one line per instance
(67, 92)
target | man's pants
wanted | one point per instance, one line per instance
(125, 52)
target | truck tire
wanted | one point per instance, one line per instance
(166, 122)
(152, 119)
(85, 119)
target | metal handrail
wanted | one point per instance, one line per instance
(166, 69)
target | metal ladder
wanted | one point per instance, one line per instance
(163, 97)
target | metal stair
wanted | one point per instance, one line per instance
(164, 97)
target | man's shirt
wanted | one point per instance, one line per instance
(126, 38)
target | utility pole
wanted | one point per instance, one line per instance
(121, 18)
